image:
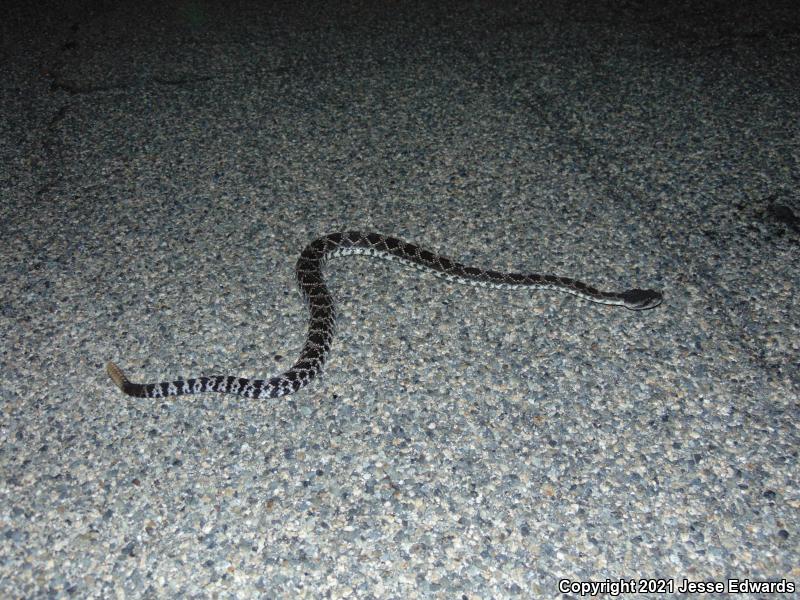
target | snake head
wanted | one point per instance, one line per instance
(641, 299)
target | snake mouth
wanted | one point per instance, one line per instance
(637, 299)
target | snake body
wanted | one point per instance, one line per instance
(322, 321)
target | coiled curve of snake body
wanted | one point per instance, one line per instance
(322, 321)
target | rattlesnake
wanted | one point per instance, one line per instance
(322, 323)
